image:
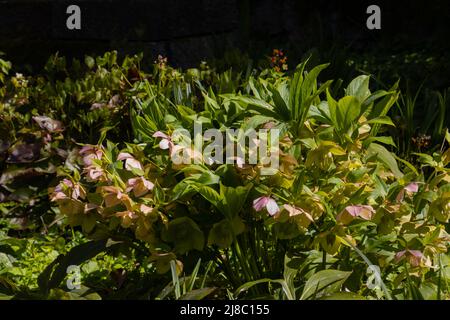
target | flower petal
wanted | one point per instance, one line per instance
(272, 207)
(132, 163)
(124, 156)
(260, 203)
(159, 134)
(412, 187)
(164, 144)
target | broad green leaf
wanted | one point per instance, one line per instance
(359, 88)
(256, 121)
(232, 199)
(385, 157)
(281, 106)
(321, 113)
(52, 276)
(381, 120)
(385, 140)
(323, 283)
(185, 234)
(209, 194)
(348, 111)
(224, 232)
(291, 268)
(250, 101)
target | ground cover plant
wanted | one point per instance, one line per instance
(359, 207)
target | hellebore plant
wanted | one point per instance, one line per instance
(338, 200)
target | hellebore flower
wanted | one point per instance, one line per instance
(94, 174)
(130, 162)
(63, 185)
(166, 142)
(359, 211)
(413, 187)
(414, 257)
(66, 189)
(114, 196)
(127, 218)
(89, 153)
(266, 202)
(304, 218)
(59, 193)
(140, 186)
(146, 210)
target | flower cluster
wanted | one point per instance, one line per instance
(111, 188)
(278, 60)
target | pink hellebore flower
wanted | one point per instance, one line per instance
(413, 187)
(303, 217)
(414, 257)
(166, 142)
(94, 173)
(66, 189)
(359, 211)
(140, 186)
(145, 209)
(89, 153)
(127, 217)
(130, 162)
(266, 202)
(60, 189)
(63, 185)
(127, 214)
(114, 196)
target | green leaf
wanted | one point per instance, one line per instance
(232, 199)
(90, 62)
(323, 283)
(205, 178)
(224, 232)
(359, 88)
(291, 268)
(185, 234)
(383, 139)
(198, 294)
(385, 157)
(252, 101)
(255, 121)
(343, 296)
(281, 106)
(5, 297)
(381, 120)
(209, 194)
(54, 273)
(348, 111)
(250, 284)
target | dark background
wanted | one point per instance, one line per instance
(190, 31)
